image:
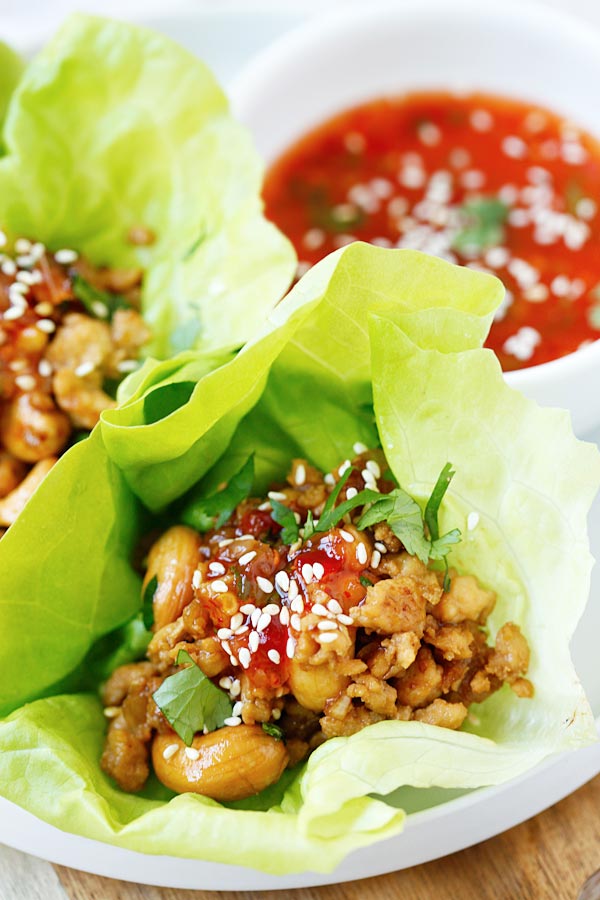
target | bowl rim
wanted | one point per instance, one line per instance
(317, 32)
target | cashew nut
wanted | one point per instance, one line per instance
(312, 686)
(173, 560)
(12, 505)
(33, 428)
(81, 398)
(231, 763)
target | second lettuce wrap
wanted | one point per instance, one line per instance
(372, 345)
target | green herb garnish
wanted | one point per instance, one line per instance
(100, 304)
(206, 513)
(147, 603)
(484, 225)
(365, 581)
(273, 730)
(285, 517)
(190, 701)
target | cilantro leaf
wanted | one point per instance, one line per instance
(147, 604)
(365, 581)
(404, 516)
(333, 514)
(284, 516)
(190, 701)
(484, 225)
(205, 513)
(100, 304)
(273, 730)
(434, 502)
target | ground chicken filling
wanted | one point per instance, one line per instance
(68, 334)
(319, 638)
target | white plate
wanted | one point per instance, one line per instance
(440, 822)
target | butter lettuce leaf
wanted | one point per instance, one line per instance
(113, 127)
(11, 69)
(372, 345)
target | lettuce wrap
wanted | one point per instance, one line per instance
(375, 346)
(113, 127)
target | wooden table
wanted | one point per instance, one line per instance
(547, 858)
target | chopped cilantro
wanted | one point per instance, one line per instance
(273, 730)
(434, 502)
(147, 601)
(365, 581)
(484, 221)
(285, 517)
(205, 513)
(100, 304)
(190, 701)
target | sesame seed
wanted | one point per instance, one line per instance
(241, 630)
(84, 369)
(361, 553)
(236, 688)
(272, 609)
(25, 382)
(265, 506)
(327, 625)
(276, 495)
(514, 147)
(170, 751)
(255, 616)
(319, 610)
(26, 261)
(293, 591)
(296, 622)
(127, 365)
(22, 245)
(300, 475)
(318, 571)
(345, 465)
(224, 634)
(373, 467)
(297, 604)
(111, 712)
(375, 559)
(560, 286)
(244, 657)
(247, 557)
(197, 579)
(345, 620)
(254, 641)
(481, 120)
(225, 542)
(290, 648)
(307, 572)
(381, 547)
(15, 312)
(3, 239)
(237, 708)
(219, 587)
(536, 294)
(44, 368)
(225, 682)
(586, 208)
(328, 637)
(347, 536)
(232, 721)
(264, 584)
(44, 309)
(46, 325)
(192, 753)
(263, 622)
(17, 287)
(29, 278)
(284, 615)
(351, 492)
(9, 267)
(334, 607)
(472, 521)
(282, 580)
(248, 608)
(329, 479)
(276, 714)
(274, 657)
(359, 448)
(65, 257)
(100, 309)
(232, 658)
(314, 238)
(236, 621)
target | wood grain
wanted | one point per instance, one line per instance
(547, 858)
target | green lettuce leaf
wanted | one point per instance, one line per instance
(373, 345)
(11, 69)
(113, 126)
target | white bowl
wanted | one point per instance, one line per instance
(527, 51)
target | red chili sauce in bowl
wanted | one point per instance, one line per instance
(488, 182)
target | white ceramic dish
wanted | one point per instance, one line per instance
(442, 822)
(531, 52)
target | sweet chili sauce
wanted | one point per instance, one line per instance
(488, 182)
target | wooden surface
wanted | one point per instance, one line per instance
(547, 858)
